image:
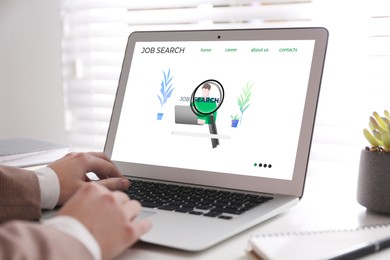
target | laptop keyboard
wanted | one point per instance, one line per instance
(193, 200)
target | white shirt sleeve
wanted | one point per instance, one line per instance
(49, 186)
(74, 228)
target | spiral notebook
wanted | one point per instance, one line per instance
(313, 245)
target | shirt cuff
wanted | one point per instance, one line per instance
(74, 228)
(49, 186)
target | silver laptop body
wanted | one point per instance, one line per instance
(173, 121)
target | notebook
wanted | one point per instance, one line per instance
(251, 98)
(315, 245)
(23, 152)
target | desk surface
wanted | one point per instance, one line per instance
(329, 202)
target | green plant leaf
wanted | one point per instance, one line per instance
(386, 141)
(375, 125)
(240, 102)
(387, 114)
(377, 134)
(380, 121)
(372, 128)
(379, 137)
(370, 138)
(244, 98)
(243, 110)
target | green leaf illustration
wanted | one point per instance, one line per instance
(243, 99)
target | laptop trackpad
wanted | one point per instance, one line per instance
(145, 214)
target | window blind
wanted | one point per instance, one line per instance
(379, 55)
(95, 34)
(355, 77)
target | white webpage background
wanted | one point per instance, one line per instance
(270, 127)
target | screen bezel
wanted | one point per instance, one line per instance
(292, 187)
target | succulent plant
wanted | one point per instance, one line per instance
(379, 134)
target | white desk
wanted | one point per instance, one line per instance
(329, 202)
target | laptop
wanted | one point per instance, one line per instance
(221, 117)
(185, 115)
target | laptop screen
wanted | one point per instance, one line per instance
(233, 107)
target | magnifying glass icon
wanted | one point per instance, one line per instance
(206, 99)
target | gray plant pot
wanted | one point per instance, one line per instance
(373, 190)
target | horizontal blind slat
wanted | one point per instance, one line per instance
(72, 5)
(148, 4)
(223, 14)
(380, 26)
(301, 11)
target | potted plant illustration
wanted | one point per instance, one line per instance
(243, 99)
(165, 91)
(235, 120)
(373, 190)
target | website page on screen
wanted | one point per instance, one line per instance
(225, 106)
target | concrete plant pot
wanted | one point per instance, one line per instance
(373, 188)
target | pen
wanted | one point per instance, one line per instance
(362, 249)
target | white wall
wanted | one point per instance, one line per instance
(31, 98)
